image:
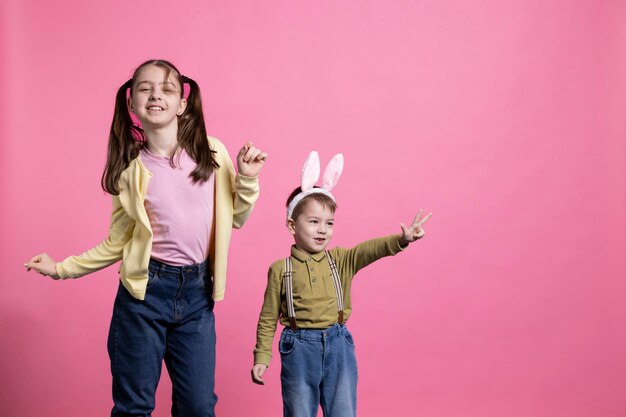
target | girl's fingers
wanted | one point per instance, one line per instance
(33, 263)
(253, 156)
(245, 148)
(405, 231)
(249, 153)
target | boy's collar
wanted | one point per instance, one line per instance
(303, 256)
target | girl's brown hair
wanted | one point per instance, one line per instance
(126, 138)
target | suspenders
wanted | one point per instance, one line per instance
(288, 281)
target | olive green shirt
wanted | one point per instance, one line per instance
(314, 299)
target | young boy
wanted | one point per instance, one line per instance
(310, 293)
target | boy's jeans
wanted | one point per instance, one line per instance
(318, 367)
(175, 322)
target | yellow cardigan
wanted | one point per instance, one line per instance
(130, 234)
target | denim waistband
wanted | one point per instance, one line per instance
(318, 334)
(163, 268)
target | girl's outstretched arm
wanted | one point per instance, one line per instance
(100, 256)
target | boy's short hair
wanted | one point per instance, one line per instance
(323, 199)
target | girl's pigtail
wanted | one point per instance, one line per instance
(125, 140)
(192, 134)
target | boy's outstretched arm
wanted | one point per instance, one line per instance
(352, 260)
(414, 231)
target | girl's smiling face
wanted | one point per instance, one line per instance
(156, 100)
(313, 229)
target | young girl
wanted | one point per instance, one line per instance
(176, 198)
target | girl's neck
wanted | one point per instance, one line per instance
(161, 142)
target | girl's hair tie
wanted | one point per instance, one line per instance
(310, 175)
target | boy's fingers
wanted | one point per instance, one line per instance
(405, 231)
(256, 378)
(425, 219)
(418, 216)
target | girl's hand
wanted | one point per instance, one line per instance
(44, 265)
(415, 231)
(257, 373)
(250, 160)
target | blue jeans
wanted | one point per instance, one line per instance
(174, 323)
(318, 367)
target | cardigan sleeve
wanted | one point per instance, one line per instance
(245, 190)
(106, 252)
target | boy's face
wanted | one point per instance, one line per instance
(313, 229)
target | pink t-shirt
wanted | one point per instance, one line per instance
(180, 212)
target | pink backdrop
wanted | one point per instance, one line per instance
(506, 119)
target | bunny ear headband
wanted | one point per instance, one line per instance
(310, 175)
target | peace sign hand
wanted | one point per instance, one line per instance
(414, 231)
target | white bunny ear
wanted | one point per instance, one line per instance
(333, 172)
(310, 171)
